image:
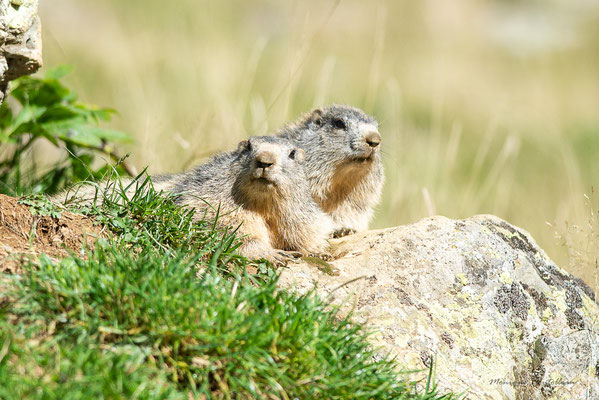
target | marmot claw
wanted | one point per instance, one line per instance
(343, 232)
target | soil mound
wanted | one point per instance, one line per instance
(25, 236)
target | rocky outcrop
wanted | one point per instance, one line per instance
(20, 41)
(478, 296)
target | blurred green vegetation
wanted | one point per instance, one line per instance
(43, 108)
(484, 106)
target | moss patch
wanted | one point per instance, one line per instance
(322, 265)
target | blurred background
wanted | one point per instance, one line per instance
(485, 106)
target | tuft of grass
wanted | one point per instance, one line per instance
(44, 368)
(582, 241)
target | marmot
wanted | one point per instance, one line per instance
(343, 163)
(263, 187)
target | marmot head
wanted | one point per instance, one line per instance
(272, 165)
(348, 130)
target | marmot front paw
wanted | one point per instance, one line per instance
(343, 232)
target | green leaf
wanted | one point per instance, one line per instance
(78, 132)
(66, 111)
(60, 112)
(42, 92)
(59, 72)
(111, 135)
(37, 130)
(45, 108)
(6, 117)
(102, 114)
(74, 131)
(28, 113)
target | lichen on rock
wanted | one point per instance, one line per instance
(500, 318)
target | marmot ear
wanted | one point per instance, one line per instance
(243, 145)
(316, 116)
(300, 155)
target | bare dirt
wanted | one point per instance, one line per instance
(24, 236)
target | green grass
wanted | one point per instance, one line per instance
(166, 310)
(44, 368)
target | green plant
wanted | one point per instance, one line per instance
(45, 109)
(40, 205)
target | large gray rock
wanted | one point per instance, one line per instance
(20, 41)
(499, 317)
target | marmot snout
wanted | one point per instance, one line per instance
(373, 139)
(366, 145)
(270, 159)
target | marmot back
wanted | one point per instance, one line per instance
(343, 163)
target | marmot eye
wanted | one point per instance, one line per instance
(339, 124)
(292, 154)
(248, 146)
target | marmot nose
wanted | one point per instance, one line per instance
(373, 139)
(261, 164)
(265, 160)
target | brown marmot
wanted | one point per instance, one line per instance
(263, 187)
(343, 163)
